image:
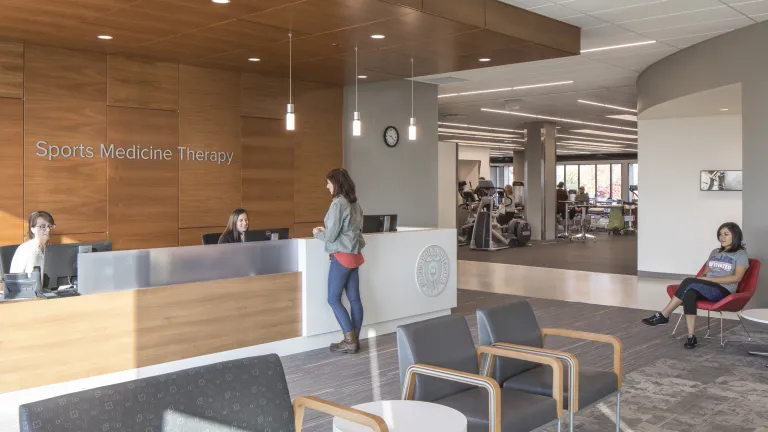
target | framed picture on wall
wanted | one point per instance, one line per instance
(721, 180)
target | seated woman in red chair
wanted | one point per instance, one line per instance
(726, 267)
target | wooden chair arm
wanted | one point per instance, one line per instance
(301, 403)
(494, 391)
(595, 337)
(557, 368)
(571, 359)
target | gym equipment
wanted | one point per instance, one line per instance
(486, 232)
(518, 233)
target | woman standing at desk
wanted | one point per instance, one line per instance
(236, 227)
(343, 238)
(30, 253)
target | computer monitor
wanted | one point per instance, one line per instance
(60, 263)
(267, 234)
(379, 223)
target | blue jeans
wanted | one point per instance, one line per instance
(341, 278)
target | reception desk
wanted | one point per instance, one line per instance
(153, 311)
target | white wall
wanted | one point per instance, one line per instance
(677, 221)
(482, 154)
(447, 187)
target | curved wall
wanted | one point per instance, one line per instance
(735, 57)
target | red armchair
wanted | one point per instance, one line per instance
(733, 303)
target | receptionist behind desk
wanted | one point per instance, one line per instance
(30, 253)
(236, 227)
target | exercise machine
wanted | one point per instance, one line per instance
(488, 234)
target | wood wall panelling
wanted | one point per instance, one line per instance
(209, 111)
(12, 70)
(65, 106)
(143, 193)
(264, 97)
(319, 147)
(524, 24)
(75, 238)
(304, 230)
(268, 173)
(139, 83)
(12, 169)
(194, 236)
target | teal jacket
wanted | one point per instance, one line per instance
(343, 227)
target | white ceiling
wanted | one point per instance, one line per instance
(607, 76)
(720, 101)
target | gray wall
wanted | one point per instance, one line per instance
(401, 180)
(735, 57)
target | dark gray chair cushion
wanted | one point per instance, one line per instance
(248, 394)
(445, 342)
(593, 384)
(521, 412)
(513, 323)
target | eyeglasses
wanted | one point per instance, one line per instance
(46, 227)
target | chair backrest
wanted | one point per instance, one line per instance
(444, 342)
(6, 256)
(513, 323)
(249, 394)
(748, 283)
(212, 238)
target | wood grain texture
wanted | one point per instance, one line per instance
(141, 83)
(144, 327)
(12, 169)
(143, 193)
(194, 236)
(268, 173)
(76, 238)
(530, 26)
(209, 120)
(263, 97)
(11, 70)
(466, 11)
(319, 148)
(304, 230)
(65, 105)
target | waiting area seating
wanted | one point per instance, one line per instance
(249, 394)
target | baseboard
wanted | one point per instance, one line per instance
(658, 275)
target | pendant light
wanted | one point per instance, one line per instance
(290, 116)
(412, 126)
(357, 124)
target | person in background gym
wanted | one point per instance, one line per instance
(236, 227)
(582, 196)
(31, 253)
(343, 238)
(562, 196)
(509, 206)
(726, 267)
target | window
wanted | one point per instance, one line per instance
(510, 174)
(559, 174)
(587, 179)
(616, 181)
(571, 177)
(633, 174)
(603, 182)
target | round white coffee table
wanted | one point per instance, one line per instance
(759, 316)
(408, 416)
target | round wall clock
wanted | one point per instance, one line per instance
(391, 136)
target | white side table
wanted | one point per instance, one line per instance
(408, 416)
(759, 316)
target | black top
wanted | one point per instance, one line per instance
(230, 238)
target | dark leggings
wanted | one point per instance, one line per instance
(691, 296)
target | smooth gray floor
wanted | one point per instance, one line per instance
(666, 388)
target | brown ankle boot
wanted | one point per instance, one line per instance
(348, 345)
(357, 338)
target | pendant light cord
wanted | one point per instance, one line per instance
(411, 86)
(290, 68)
(356, 76)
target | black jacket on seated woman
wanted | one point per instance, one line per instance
(236, 227)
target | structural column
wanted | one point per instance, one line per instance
(540, 188)
(625, 196)
(518, 164)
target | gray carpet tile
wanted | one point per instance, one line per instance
(666, 388)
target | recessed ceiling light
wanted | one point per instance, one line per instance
(593, 143)
(220, 1)
(479, 127)
(105, 37)
(608, 106)
(627, 117)
(595, 139)
(595, 132)
(542, 85)
(481, 136)
(555, 119)
(618, 46)
(362, 76)
(723, 109)
(377, 36)
(488, 134)
(485, 144)
(503, 89)
(484, 59)
(254, 59)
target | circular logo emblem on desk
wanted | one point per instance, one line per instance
(432, 271)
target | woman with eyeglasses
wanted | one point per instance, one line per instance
(30, 253)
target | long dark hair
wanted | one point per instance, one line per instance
(342, 184)
(33, 221)
(232, 226)
(737, 237)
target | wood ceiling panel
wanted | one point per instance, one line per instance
(11, 69)
(142, 190)
(524, 24)
(268, 159)
(466, 11)
(479, 42)
(79, 10)
(141, 83)
(320, 16)
(416, 4)
(12, 166)
(65, 105)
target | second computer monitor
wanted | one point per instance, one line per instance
(60, 263)
(268, 234)
(379, 223)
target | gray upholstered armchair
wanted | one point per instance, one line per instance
(514, 327)
(440, 364)
(249, 394)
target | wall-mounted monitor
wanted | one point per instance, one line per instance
(721, 180)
